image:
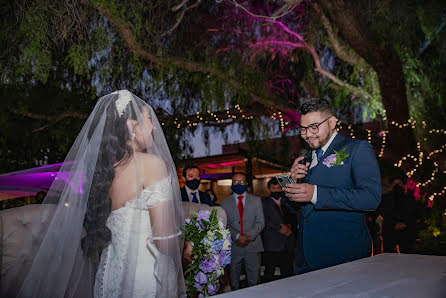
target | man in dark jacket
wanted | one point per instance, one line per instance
(190, 192)
(278, 233)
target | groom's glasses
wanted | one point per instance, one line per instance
(313, 128)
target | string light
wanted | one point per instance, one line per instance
(431, 198)
(236, 112)
(383, 143)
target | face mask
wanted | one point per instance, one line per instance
(239, 189)
(193, 184)
(277, 194)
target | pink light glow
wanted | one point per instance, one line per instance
(277, 42)
(287, 29)
(222, 164)
(212, 166)
(230, 163)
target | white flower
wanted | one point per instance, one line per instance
(226, 244)
(123, 100)
(210, 235)
(220, 224)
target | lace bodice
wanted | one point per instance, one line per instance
(132, 250)
(151, 195)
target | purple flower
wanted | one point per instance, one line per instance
(212, 289)
(221, 257)
(330, 160)
(227, 259)
(187, 221)
(217, 245)
(201, 278)
(208, 265)
(198, 286)
(203, 214)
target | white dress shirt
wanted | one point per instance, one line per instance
(189, 194)
(314, 162)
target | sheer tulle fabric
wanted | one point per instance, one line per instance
(143, 256)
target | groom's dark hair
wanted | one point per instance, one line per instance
(315, 105)
(188, 167)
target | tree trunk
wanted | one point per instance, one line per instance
(387, 64)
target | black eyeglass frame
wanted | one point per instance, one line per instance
(311, 127)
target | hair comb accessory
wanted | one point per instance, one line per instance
(123, 100)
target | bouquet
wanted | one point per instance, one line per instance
(211, 252)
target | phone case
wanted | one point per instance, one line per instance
(284, 180)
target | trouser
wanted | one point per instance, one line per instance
(251, 261)
(300, 265)
(271, 260)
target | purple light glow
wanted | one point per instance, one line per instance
(30, 181)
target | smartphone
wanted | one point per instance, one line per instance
(284, 180)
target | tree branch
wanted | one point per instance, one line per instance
(180, 18)
(47, 118)
(177, 7)
(317, 62)
(157, 61)
(342, 51)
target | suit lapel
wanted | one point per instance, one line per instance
(336, 144)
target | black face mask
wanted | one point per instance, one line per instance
(277, 194)
(193, 184)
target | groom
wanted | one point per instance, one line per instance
(341, 181)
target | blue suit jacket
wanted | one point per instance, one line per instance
(204, 197)
(334, 230)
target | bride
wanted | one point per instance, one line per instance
(115, 231)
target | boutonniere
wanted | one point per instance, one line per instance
(336, 159)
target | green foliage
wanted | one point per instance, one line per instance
(432, 236)
(35, 56)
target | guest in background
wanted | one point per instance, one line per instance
(398, 210)
(190, 192)
(245, 222)
(277, 232)
(211, 193)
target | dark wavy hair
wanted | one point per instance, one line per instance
(315, 105)
(113, 150)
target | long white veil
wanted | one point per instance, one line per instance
(122, 132)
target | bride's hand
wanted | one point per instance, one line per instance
(187, 251)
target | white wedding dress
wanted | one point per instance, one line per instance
(125, 232)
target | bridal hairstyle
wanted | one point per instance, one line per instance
(113, 150)
(73, 216)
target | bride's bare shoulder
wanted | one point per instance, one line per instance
(152, 164)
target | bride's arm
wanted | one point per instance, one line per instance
(163, 210)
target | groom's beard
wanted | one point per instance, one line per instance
(318, 141)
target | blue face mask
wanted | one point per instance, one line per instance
(239, 189)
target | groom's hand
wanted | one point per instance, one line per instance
(299, 192)
(298, 170)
